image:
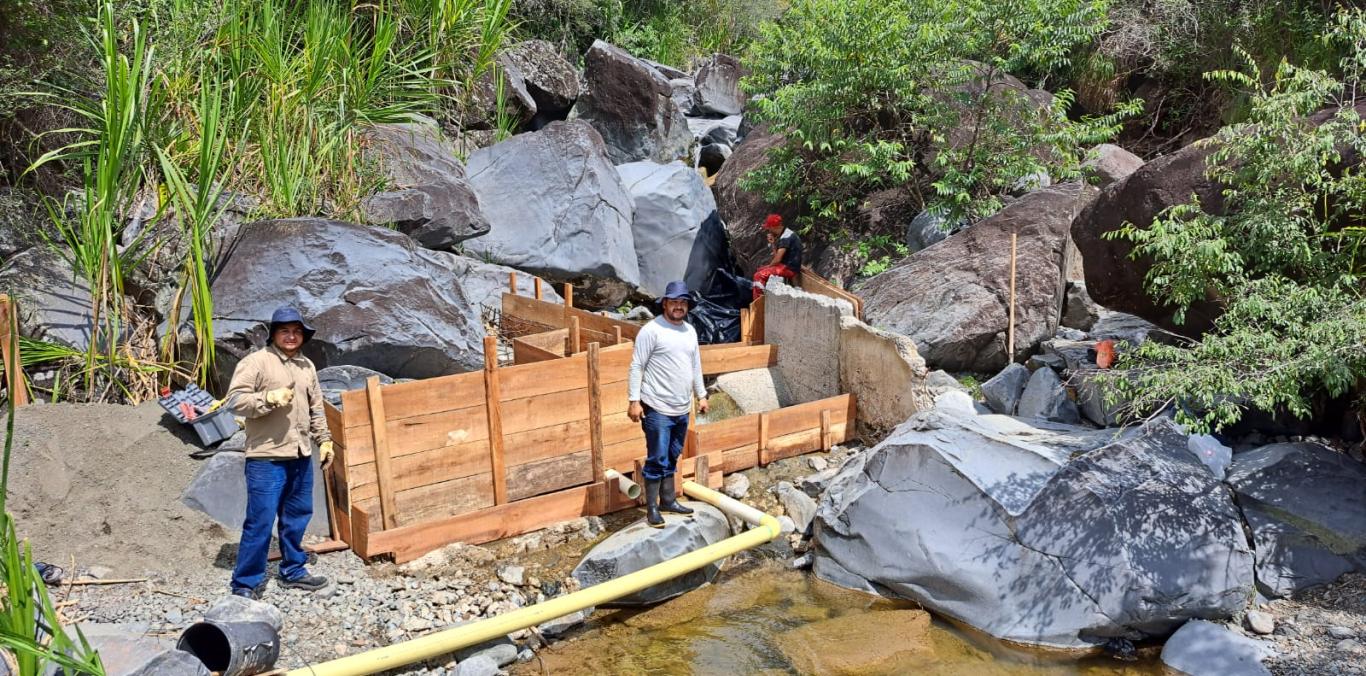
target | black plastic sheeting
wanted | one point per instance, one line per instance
(719, 291)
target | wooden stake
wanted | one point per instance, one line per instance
(701, 471)
(744, 325)
(568, 295)
(825, 430)
(15, 383)
(512, 282)
(595, 411)
(1010, 325)
(763, 439)
(332, 526)
(494, 414)
(575, 339)
(536, 283)
(388, 510)
(616, 335)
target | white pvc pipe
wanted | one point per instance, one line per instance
(627, 487)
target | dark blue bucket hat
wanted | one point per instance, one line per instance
(676, 290)
(289, 315)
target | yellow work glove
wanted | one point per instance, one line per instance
(280, 397)
(325, 454)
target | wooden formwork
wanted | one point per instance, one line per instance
(475, 457)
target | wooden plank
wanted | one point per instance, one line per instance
(814, 283)
(15, 382)
(437, 501)
(534, 311)
(568, 295)
(524, 353)
(527, 380)
(360, 531)
(355, 409)
(575, 337)
(702, 470)
(379, 437)
(536, 284)
(547, 340)
(420, 469)
(529, 413)
(594, 412)
(756, 320)
(425, 397)
(548, 475)
(825, 429)
(728, 358)
(512, 282)
(494, 410)
(486, 525)
(421, 433)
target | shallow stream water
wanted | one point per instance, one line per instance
(773, 620)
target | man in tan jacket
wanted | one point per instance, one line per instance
(276, 389)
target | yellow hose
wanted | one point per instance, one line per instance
(455, 638)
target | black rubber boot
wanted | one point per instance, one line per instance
(668, 499)
(309, 583)
(652, 515)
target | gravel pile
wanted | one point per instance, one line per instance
(1321, 632)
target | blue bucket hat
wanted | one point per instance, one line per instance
(289, 315)
(676, 290)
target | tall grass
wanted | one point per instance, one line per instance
(110, 151)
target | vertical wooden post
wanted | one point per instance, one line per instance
(763, 439)
(536, 284)
(379, 434)
(826, 438)
(594, 411)
(616, 335)
(575, 339)
(1010, 324)
(15, 383)
(512, 282)
(744, 325)
(701, 472)
(568, 295)
(494, 408)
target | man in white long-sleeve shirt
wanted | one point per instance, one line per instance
(666, 372)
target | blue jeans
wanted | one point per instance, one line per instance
(280, 489)
(664, 437)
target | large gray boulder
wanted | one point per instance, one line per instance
(742, 210)
(639, 546)
(671, 202)
(54, 302)
(1113, 278)
(484, 284)
(219, 491)
(558, 210)
(952, 299)
(336, 380)
(376, 297)
(1078, 310)
(550, 80)
(1306, 505)
(632, 106)
(718, 87)
(1108, 163)
(1043, 534)
(1201, 648)
(429, 197)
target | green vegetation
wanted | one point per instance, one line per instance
(1283, 257)
(917, 96)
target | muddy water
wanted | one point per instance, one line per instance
(771, 620)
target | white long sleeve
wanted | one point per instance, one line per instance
(666, 367)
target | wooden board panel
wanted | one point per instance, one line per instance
(726, 358)
(424, 397)
(421, 433)
(743, 430)
(354, 411)
(436, 501)
(552, 474)
(532, 310)
(814, 283)
(423, 468)
(529, 413)
(551, 341)
(529, 380)
(524, 353)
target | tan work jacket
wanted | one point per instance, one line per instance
(278, 432)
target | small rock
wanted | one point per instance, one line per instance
(1349, 645)
(478, 665)
(797, 504)
(786, 525)
(174, 616)
(802, 562)
(1260, 622)
(562, 625)
(736, 486)
(415, 624)
(526, 655)
(1340, 632)
(98, 572)
(513, 575)
(818, 463)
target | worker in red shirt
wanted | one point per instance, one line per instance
(787, 254)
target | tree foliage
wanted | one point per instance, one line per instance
(1283, 255)
(919, 94)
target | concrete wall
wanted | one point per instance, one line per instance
(824, 351)
(883, 371)
(806, 329)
